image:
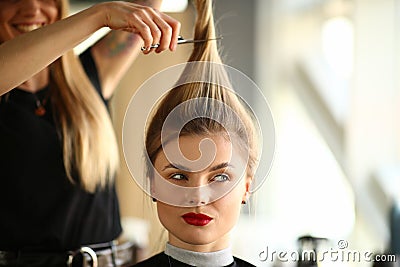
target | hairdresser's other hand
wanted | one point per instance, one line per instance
(152, 25)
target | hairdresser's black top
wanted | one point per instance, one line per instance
(39, 207)
(177, 257)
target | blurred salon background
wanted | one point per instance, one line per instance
(330, 70)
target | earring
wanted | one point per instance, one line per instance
(154, 199)
(244, 201)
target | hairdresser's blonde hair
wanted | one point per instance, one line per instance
(210, 117)
(89, 144)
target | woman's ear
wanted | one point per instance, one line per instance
(248, 183)
(152, 189)
(247, 192)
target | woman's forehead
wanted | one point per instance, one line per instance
(194, 153)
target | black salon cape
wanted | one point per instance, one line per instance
(162, 260)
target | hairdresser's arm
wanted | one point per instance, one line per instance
(37, 49)
(118, 49)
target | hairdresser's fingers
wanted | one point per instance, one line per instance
(140, 27)
(166, 31)
(170, 29)
(167, 28)
(154, 28)
(175, 36)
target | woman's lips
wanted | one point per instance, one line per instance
(27, 27)
(196, 219)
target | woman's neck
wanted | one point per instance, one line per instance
(36, 82)
(220, 244)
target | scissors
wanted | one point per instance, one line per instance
(182, 40)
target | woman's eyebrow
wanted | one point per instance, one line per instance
(223, 165)
(174, 166)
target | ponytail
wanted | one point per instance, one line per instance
(202, 114)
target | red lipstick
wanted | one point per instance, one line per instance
(196, 219)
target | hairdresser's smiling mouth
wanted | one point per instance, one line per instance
(27, 27)
(196, 219)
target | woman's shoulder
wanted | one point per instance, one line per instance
(241, 263)
(159, 259)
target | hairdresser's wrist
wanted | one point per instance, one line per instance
(98, 15)
(156, 4)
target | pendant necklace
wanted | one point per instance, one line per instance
(40, 109)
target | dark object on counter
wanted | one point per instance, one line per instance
(308, 250)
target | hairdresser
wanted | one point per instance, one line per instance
(59, 154)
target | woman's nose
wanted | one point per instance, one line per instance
(30, 7)
(198, 196)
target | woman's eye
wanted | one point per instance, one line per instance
(221, 178)
(178, 176)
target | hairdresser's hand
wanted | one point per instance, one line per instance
(153, 26)
(56, 39)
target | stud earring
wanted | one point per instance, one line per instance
(244, 201)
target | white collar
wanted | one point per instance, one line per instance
(201, 259)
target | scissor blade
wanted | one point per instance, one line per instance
(184, 41)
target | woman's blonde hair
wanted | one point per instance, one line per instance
(217, 109)
(89, 145)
